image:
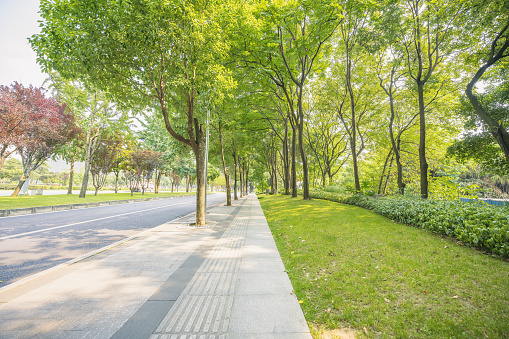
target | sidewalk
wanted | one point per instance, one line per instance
(224, 281)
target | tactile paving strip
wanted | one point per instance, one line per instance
(203, 309)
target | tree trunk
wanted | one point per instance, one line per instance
(84, 183)
(228, 190)
(200, 174)
(380, 183)
(286, 162)
(158, 182)
(423, 164)
(96, 191)
(304, 159)
(294, 161)
(21, 182)
(235, 197)
(271, 180)
(246, 177)
(324, 175)
(399, 167)
(273, 167)
(71, 176)
(241, 190)
(116, 181)
(353, 137)
(395, 146)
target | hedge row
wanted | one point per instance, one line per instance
(474, 223)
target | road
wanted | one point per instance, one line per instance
(32, 243)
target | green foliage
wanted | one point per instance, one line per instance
(12, 169)
(476, 224)
(212, 173)
(478, 143)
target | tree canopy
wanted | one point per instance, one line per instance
(362, 95)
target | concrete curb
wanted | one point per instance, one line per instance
(46, 209)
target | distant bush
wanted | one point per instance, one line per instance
(474, 223)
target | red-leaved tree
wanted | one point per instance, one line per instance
(14, 121)
(47, 125)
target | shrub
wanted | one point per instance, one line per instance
(473, 223)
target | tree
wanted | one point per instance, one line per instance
(14, 119)
(125, 147)
(140, 167)
(142, 52)
(51, 125)
(327, 141)
(175, 155)
(94, 112)
(493, 50)
(428, 42)
(103, 159)
(390, 84)
(71, 152)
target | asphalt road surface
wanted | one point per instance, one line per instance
(32, 243)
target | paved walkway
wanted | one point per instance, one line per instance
(225, 281)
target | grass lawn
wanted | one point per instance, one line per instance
(357, 271)
(64, 199)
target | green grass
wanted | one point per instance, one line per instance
(49, 200)
(354, 268)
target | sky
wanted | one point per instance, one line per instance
(18, 62)
(18, 21)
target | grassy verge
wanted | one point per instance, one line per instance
(356, 269)
(49, 200)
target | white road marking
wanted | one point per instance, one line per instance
(87, 221)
